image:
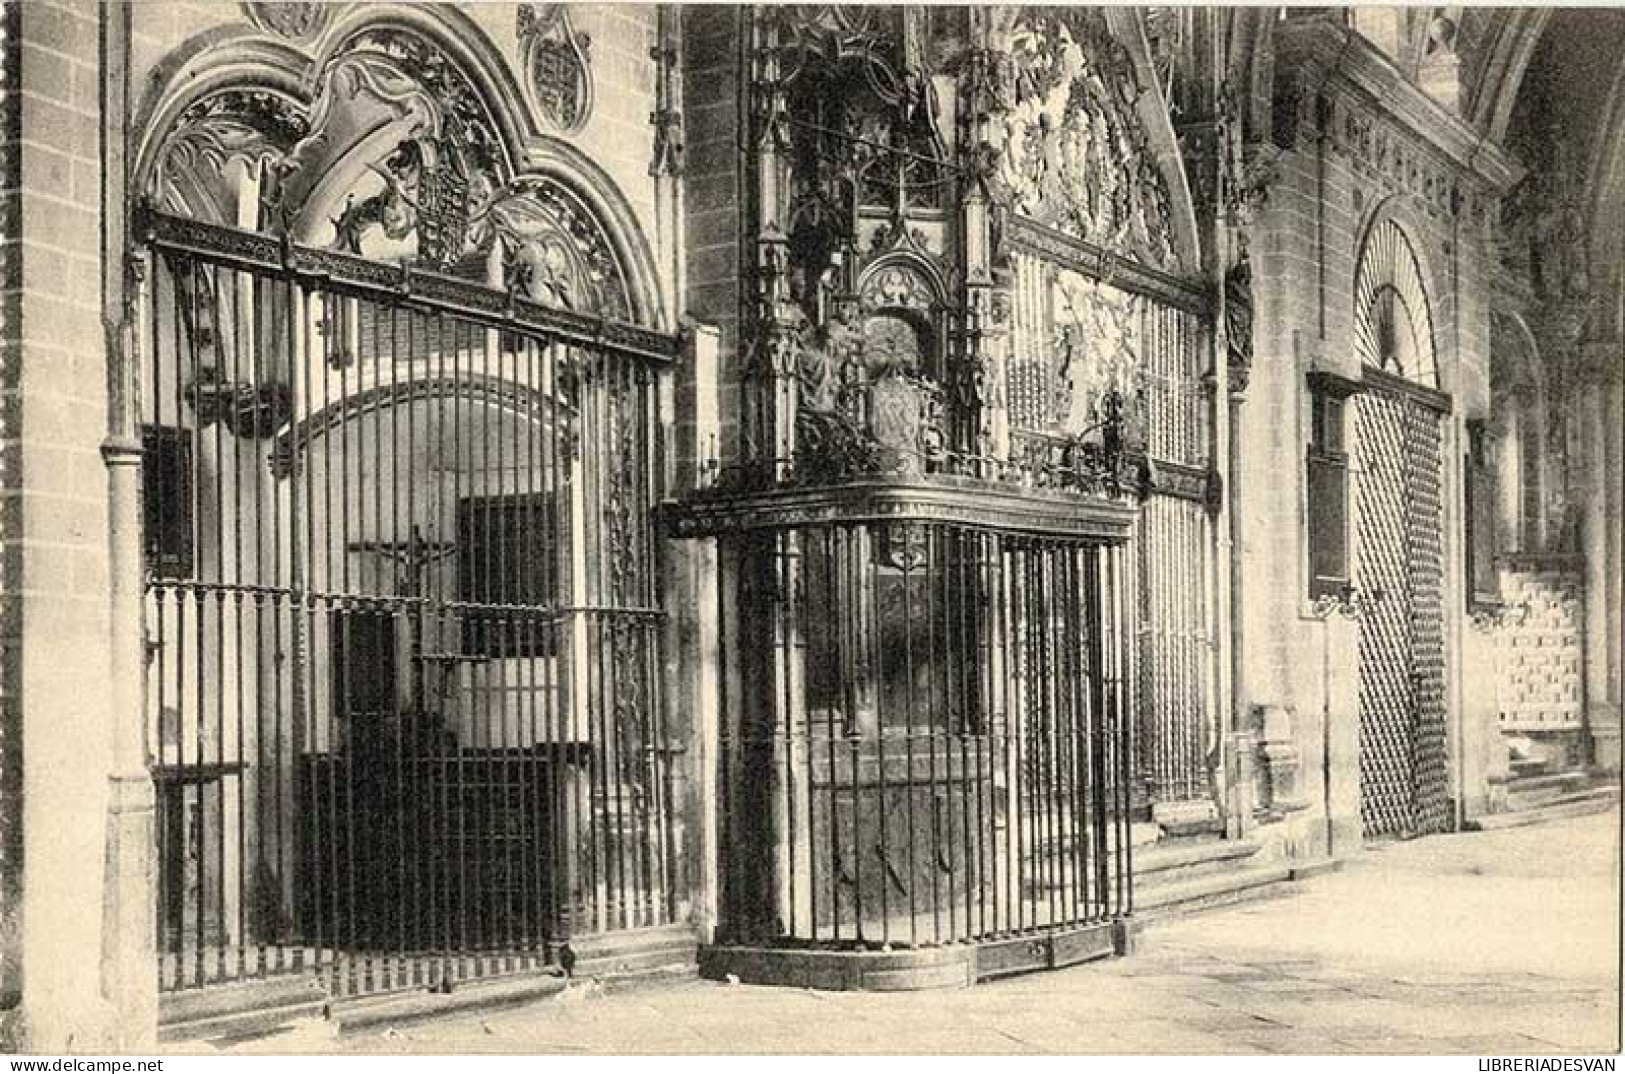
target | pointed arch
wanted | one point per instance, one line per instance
(1152, 110)
(1506, 58)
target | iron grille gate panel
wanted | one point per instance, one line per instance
(404, 634)
(1404, 777)
(927, 736)
(1062, 339)
(1174, 662)
(1177, 724)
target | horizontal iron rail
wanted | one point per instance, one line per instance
(345, 598)
(401, 285)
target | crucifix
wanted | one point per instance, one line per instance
(415, 556)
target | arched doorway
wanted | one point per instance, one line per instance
(1404, 764)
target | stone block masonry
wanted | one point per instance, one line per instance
(1539, 685)
(11, 731)
(54, 611)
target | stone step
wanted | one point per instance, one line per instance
(214, 1001)
(300, 1004)
(1175, 861)
(403, 1008)
(1216, 889)
(1530, 792)
(661, 951)
(1579, 804)
(243, 1023)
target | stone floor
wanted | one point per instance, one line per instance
(1492, 944)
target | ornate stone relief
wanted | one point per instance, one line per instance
(554, 250)
(1072, 153)
(558, 65)
(292, 19)
(398, 159)
(870, 402)
(1078, 340)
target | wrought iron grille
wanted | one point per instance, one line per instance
(1177, 715)
(926, 735)
(1070, 334)
(1404, 778)
(404, 630)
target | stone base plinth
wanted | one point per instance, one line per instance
(949, 966)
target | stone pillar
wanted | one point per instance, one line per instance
(1281, 760)
(1241, 800)
(694, 702)
(129, 943)
(1600, 535)
(73, 784)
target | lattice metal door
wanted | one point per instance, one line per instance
(1404, 777)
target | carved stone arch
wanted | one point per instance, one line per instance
(1514, 356)
(226, 60)
(502, 396)
(903, 289)
(1392, 277)
(210, 165)
(902, 278)
(1606, 210)
(463, 41)
(1128, 26)
(556, 159)
(1251, 72)
(1606, 172)
(326, 175)
(555, 249)
(1488, 101)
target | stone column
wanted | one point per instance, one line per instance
(1600, 546)
(129, 941)
(129, 944)
(694, 701)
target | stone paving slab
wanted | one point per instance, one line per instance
(1491, 944)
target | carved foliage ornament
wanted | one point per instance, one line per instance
(1073, 154)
